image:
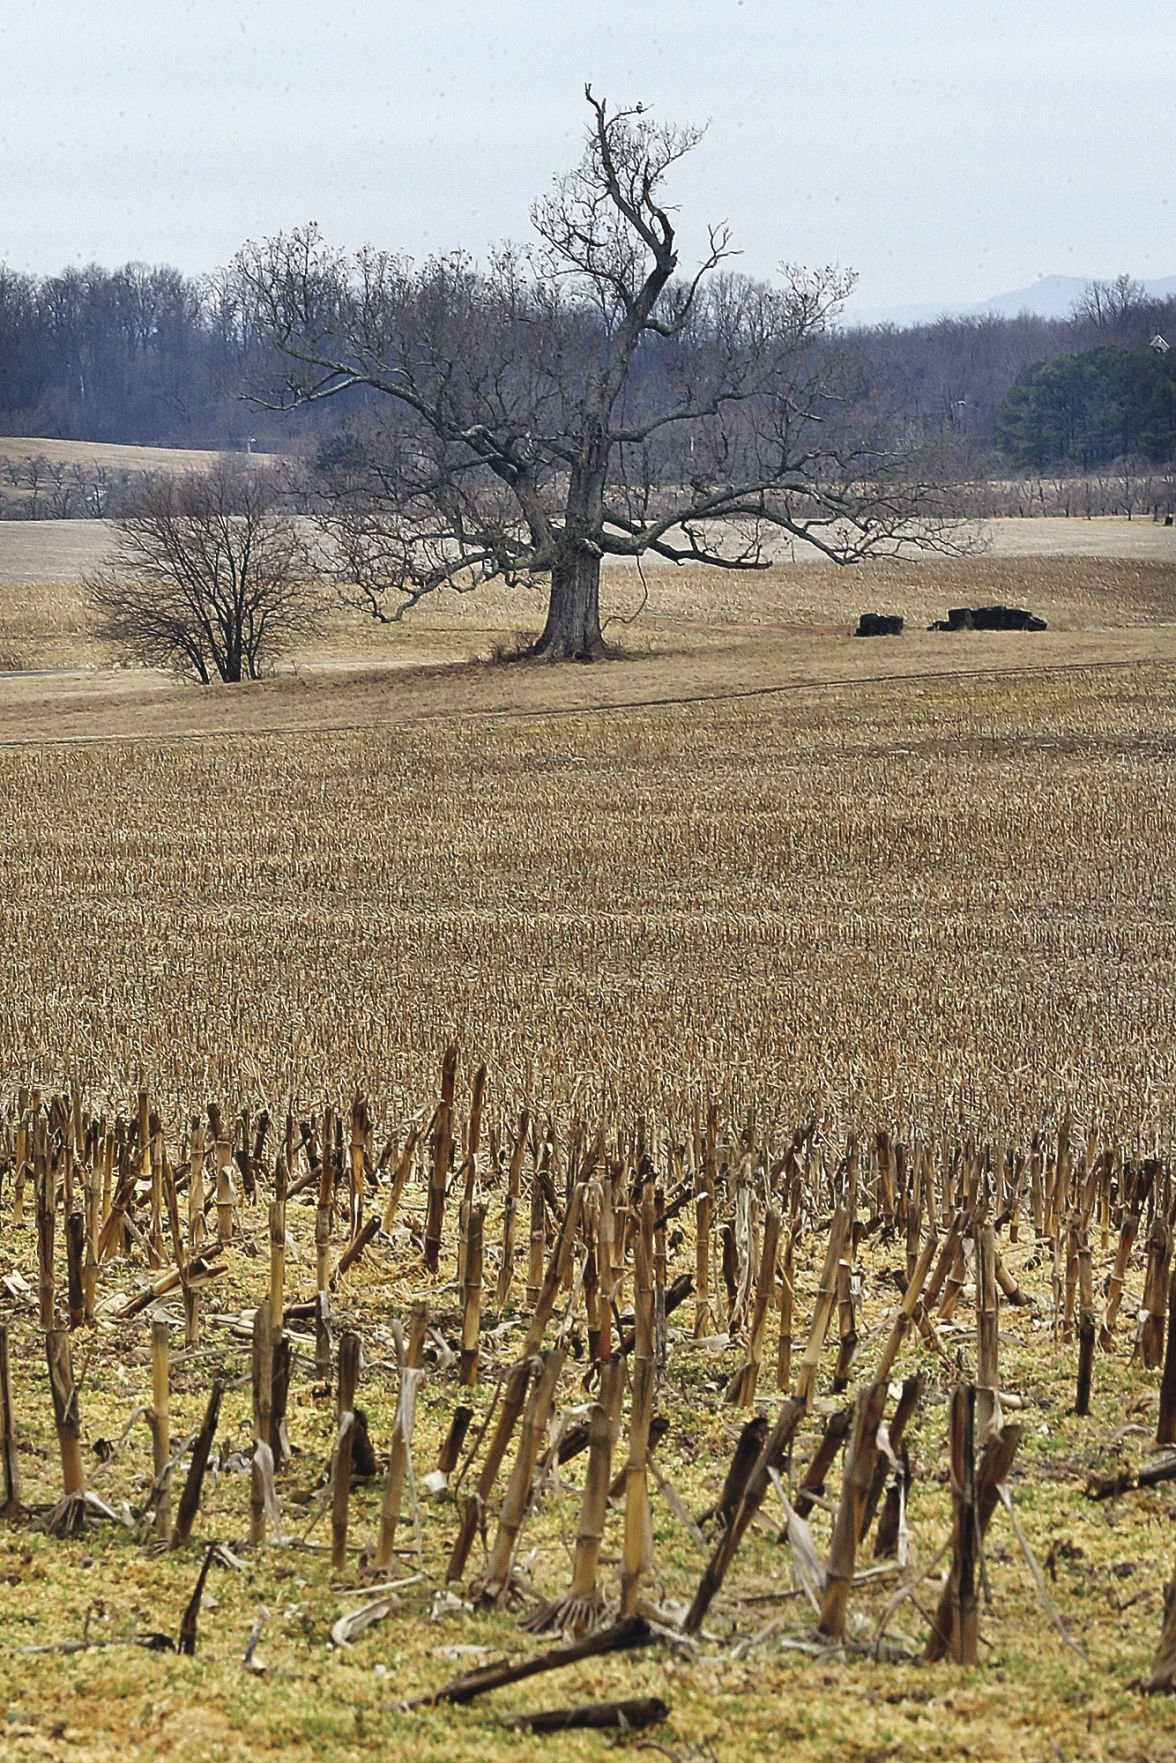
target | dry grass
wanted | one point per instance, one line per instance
(697, 632)
(1081, 575)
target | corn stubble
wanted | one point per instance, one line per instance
(603, 1203)
(937, 906)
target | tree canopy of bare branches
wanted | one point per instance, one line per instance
(207, 576)
(584, 398)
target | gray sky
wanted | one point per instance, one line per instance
(943, 154)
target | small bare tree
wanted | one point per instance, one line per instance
(208, 575)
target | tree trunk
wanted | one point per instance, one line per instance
(572, 631)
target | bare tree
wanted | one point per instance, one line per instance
(582, 399)
(208, 575)
(1116, 312)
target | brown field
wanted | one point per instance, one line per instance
(111, 454)
(921, 885)
(82, 463)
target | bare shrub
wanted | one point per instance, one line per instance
(209, 575)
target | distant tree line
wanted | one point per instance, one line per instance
(990, 380)
(140, 355)
(148, 356)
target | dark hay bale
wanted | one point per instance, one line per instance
(879, 624)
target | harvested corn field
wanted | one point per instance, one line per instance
(817, 1195)
(933, 902)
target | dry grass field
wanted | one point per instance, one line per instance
(111, 454)
(923, 886)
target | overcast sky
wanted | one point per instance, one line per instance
(944, 154)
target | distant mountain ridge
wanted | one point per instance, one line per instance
(1053, 296)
